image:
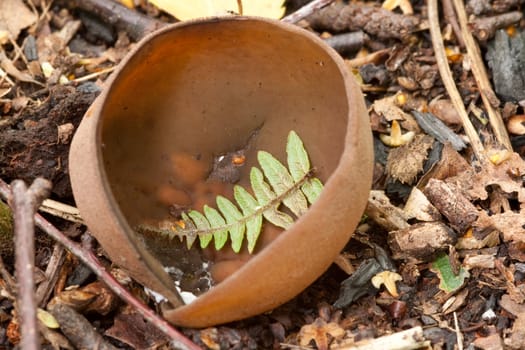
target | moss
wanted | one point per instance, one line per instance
(6, 230)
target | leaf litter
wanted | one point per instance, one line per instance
(490, 248)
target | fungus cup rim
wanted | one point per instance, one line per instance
(215, 306)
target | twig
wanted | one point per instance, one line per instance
(482, 80)
(78, 330)
(448, 80)
(459, 335)
(306, 11)
(450, 17)
(52, 273)
(61, 210)
(132, 22)
(90, 260)
(485, 28)
(24, 203)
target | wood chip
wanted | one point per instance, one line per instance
(420, 240)
(460, 212)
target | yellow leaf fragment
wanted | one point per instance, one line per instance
(185, 10)
(389, 279)
(404, 5)
(130, 4)
(47, 319)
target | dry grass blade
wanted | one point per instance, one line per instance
(448, 80)
(480, 75)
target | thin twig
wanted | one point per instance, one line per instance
(481, 77)
(45, 288)
(61, 210)
(90, 260)
(450, 17)
(24, 204)
(306, 11)
(448, 80)
(135, 24)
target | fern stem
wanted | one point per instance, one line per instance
(259, 211)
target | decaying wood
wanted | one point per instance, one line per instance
(373, 20)
(459, 211)
(132, 22)
(78, 329)
(418, 206)
(485, 28)
(420, 240)
(384, 213)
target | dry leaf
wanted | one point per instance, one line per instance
(388, 108)
(319, 331)
(132, 329)
(185, 10)
(94, 297)
(15, 16)
(505, 175)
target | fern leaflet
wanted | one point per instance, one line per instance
(294, 187)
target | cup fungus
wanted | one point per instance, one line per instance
(195, 90)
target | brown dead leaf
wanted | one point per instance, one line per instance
(505, 175)
(7, 65)
(517, 338)
(511, 224)
(405, 162)
(95, 297)
(319, 331)
(130, 328)
(388, 108)
(15, 16)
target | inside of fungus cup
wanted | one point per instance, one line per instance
(200, 90)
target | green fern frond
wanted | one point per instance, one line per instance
(294, 187)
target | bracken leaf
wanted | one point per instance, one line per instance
(298, 161)
(249, 206)
(216, 221)
(265, 195)
(294, 188)
(202, 224)
(281, 181)
(312, 189)
(233, 217)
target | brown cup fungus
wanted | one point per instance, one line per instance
(190, 93)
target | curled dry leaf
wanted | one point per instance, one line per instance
(15, 16)
(319, 331)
